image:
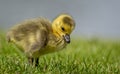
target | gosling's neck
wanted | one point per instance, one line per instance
(56, 40)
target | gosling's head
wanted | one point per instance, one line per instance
(63, 25)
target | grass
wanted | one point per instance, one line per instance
(82, 56)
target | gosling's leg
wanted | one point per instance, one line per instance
(36, 61)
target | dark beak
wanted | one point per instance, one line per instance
(67, 38)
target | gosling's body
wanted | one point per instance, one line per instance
(36, 37)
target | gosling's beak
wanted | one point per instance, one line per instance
(67, 38)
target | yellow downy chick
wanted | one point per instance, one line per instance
(36, 37)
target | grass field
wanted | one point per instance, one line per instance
(82, 56)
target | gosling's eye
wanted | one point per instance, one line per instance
(62, 28)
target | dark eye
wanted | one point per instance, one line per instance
(62, 28)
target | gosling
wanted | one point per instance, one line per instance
(38, 36)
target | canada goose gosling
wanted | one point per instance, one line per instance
(36, 37)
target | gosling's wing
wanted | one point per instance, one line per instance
(41, 39)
